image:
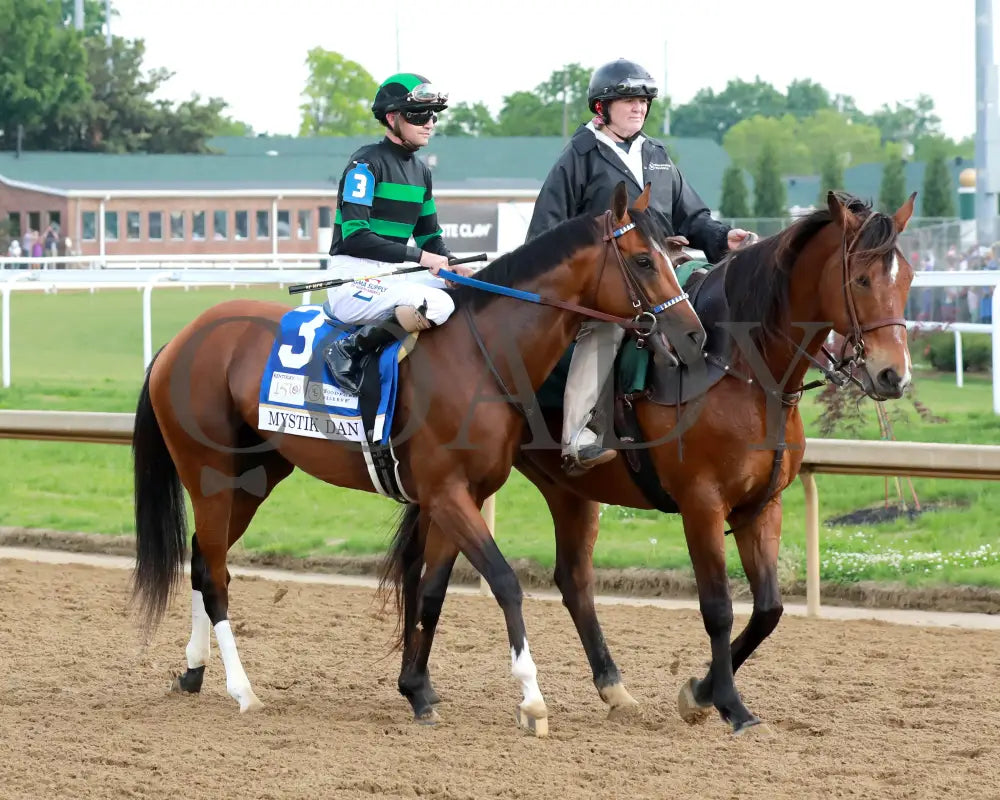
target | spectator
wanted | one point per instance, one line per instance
(14, 251)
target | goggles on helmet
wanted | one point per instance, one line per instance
(426, 93)
(633, 87)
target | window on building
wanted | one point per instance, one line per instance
(155, 221)
(198, 225)
(242, 224)
(14, 223)
(88, 226)
(35, 220)
(304, 229)
(55, 220)
(177, 225)
(220, 225)
(132, 231)
(284, 224)
(263, 224)
(111, 226)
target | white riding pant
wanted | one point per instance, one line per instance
(590, 368)
(367, 301)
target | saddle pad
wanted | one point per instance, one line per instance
(298, 394)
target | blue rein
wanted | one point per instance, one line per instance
(531, 297)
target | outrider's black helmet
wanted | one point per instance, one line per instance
(618, 79)
(407, 91)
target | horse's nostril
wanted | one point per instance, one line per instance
(889, 379)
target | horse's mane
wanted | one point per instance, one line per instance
(757, 276)
(531, 259)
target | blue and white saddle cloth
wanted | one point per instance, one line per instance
(298, 394)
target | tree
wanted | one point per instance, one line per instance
(542, 111)
(892, 191)
(769, 196)
(831, 177)
(828, 131)
(712, 115)
(907, 122)
(745, 141)
(938, 198)
(463, 119)
(338, 97)
(804, 98)
(734, 203)
(43, 82)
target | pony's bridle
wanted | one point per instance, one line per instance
(842, 370)
(644, 307)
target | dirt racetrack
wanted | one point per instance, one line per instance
(858, 709)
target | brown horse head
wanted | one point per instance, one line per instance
(864, 290)
(646, 264)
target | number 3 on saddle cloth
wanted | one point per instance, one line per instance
(299, 397)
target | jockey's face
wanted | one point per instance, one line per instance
(414, 135)
(628, 115)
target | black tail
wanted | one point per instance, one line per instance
(160, 519)
(403, 556)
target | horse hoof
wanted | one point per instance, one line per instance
(189, 682)
(428, 717)
(691, 711)
(249, 702)
(617, 697)
(754, 729)
(533, 717)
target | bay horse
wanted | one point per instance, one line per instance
(837, 269)
(198, 414)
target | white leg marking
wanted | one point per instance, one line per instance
(523, 668)
(199, 649)
(237, 682)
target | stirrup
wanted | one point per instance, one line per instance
(586, 458)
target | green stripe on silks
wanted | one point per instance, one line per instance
(428, 208)
(422, 240)
(353, 226)
(396, 230)
(401, 191)
(686, 270)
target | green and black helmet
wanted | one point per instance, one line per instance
(407, 91)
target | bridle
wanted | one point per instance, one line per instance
(643, 306)
(852, 352)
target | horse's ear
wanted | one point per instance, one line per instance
(902, 216)
(643, 200)
(619, 201)
(839, 213)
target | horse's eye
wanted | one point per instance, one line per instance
(643, 262)
(862, 280)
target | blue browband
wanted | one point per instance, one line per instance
(623, 230)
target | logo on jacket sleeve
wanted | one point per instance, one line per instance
(659, 166)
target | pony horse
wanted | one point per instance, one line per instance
(198, 414)
(731, 447)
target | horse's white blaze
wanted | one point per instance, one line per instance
(237, 682)
(523, 668)
(907, 371)
(894, 268)
(199, 648)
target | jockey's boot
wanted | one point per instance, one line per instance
(346, 357)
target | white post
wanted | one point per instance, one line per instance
(5, 290)
(959, 361)
(996, 349)
(489, 514)
(147, 319)
(101, 233)
(812, 542)
(274, 231)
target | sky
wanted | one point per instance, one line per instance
(252, 52)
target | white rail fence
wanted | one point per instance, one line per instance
(829, 456)
(186, 271)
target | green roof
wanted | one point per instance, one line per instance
(274, 163)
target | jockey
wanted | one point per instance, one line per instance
(608, 149)
(384, 199)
